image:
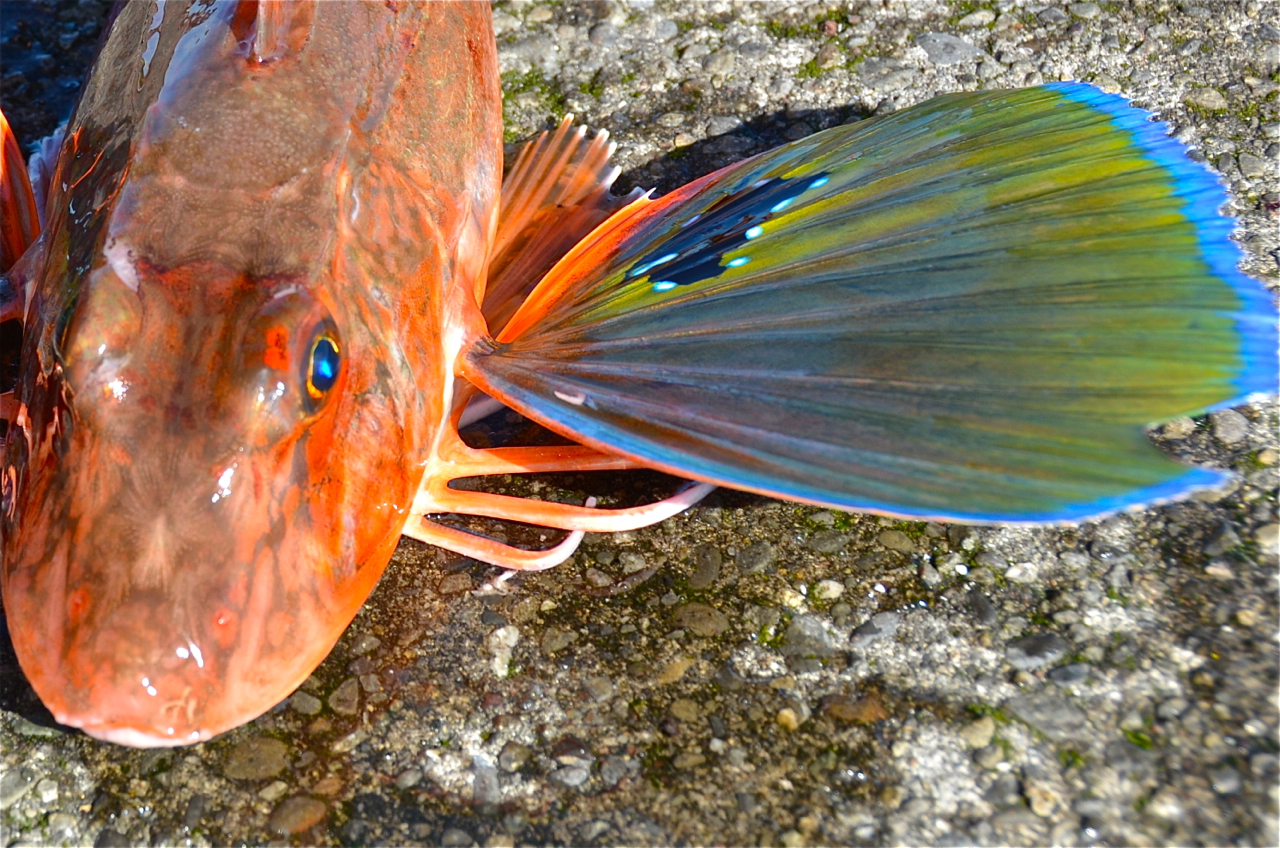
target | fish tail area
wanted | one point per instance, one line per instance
(556, 192)
(19, 219)
(967, 310)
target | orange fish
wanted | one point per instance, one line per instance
(279, 264)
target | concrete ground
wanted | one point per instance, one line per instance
(756, 672)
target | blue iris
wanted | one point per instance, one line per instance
(325, 362)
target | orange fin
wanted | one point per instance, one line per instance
(20, 220)
(556, 193)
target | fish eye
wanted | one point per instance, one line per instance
(323, 366)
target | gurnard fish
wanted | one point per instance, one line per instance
(279, 263)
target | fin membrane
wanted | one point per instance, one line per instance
(556, 193)
(966, 310)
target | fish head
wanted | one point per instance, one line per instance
(202, 489)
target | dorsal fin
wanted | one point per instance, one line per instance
(17, 204)
(556, 193)
(273, 29)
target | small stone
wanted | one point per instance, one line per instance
(599, 687)
(689, 760)
(978, 734)
(14, 784)
(1036, 651)
(1224, 540)
(305, 703)
(721, 124)
(1246, 617)
(685, 709)
(570, 776)
(349, 742)
(1208, 99)
(827, 541)
(808, 635)
(1251, 166)
(1043, 797)
(828, 590)
(297, 814)
(613, 770)
(1052, 15)
(719, 63)
(829, 56)
(982, 608)
(1066, 675)
(256, 759)
(756, 557)
(593, 830)
(1268, 538)
(409, 778)
(1088, 11)
(896, 540)
(1166, 805)
(1229, 426)
(513, 756)
(454, 837)
(554, 640)
(345, 700)
(670, 120)
(273, 791)
(701, 619)
(979, 18)
(881, 626)
(988, 757)
(788, 718)
(364, 644)
(1049, 713)
(944, 49)
(708, 561)
(867, 710)
(1225, 780)
(673, 671)
(1220, 570)
(1172, 708)
(47, 791)
(453, 584)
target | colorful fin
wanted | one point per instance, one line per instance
(965, 310)
(19, 220)
(556, 193)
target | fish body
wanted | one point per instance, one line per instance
(236, 353)
(262, 300)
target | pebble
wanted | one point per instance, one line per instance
(1268, 538)
(454, 837)
(977, 734)
(788, 718)
(345, 700)
(721, 124)
(570, 776)
(1088, 11)
(708, 561)
(409, 778)
(256, 759)
(364, 644)
(612, 770)
(808, 635)
(1052, 15)
(297, 814)
(453, 584)
(720, 63)
(554, 640)
(981, 607)
(1051, 714)
(1224, 540)
(685, 709)
(513, 756)
(701, 619)
(14, 783)
(1229, 426)
(944, 49)
(1209, 99)
(756, 557)
(1225, 780)
(305, 703)
(827, 541)
(828, 590)
(881, 626)
(979, 18)
(896, 540)
(988, 757)
(1036, 651)
(1066, 675)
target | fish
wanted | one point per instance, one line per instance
(280, 265)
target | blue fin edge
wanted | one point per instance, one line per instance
(1203, 197)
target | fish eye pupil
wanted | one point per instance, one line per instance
(325, 362)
